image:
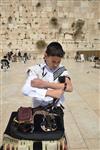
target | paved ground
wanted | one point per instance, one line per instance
(82, 106)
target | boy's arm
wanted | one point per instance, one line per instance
(67, 86)
(56, 94)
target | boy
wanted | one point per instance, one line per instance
(43, 83)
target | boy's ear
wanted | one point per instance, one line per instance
(45, 55)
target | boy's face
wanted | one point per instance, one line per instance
(52, 61)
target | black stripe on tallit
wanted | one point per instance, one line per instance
(58, 72)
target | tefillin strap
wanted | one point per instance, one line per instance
(58, 72)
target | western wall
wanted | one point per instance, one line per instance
(74, 23)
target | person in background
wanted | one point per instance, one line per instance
(5, 63)
(25, 57)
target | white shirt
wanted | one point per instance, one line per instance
(38, 95)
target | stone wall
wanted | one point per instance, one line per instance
(74, 23)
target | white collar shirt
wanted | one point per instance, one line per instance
(38, 95)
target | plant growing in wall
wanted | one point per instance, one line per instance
(54, 21)
(77, 29)
(99, 25)
(38, 5)
(9, 44)
(41, 44)
(78, 25)
(60, 30)
(3, 23)
(9, 19)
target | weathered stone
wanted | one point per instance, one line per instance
(21, 16)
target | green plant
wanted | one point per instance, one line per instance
(9, 44)
(77, 29)
(60, 30)
(54, 21)
(41, 44)
(9, 19)
(38, 4)
(78, 24)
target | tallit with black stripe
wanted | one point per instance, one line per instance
(58, 72)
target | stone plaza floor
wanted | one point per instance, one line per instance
(82, 106)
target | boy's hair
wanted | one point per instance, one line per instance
(55, 49)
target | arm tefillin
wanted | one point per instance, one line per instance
(62, 79)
